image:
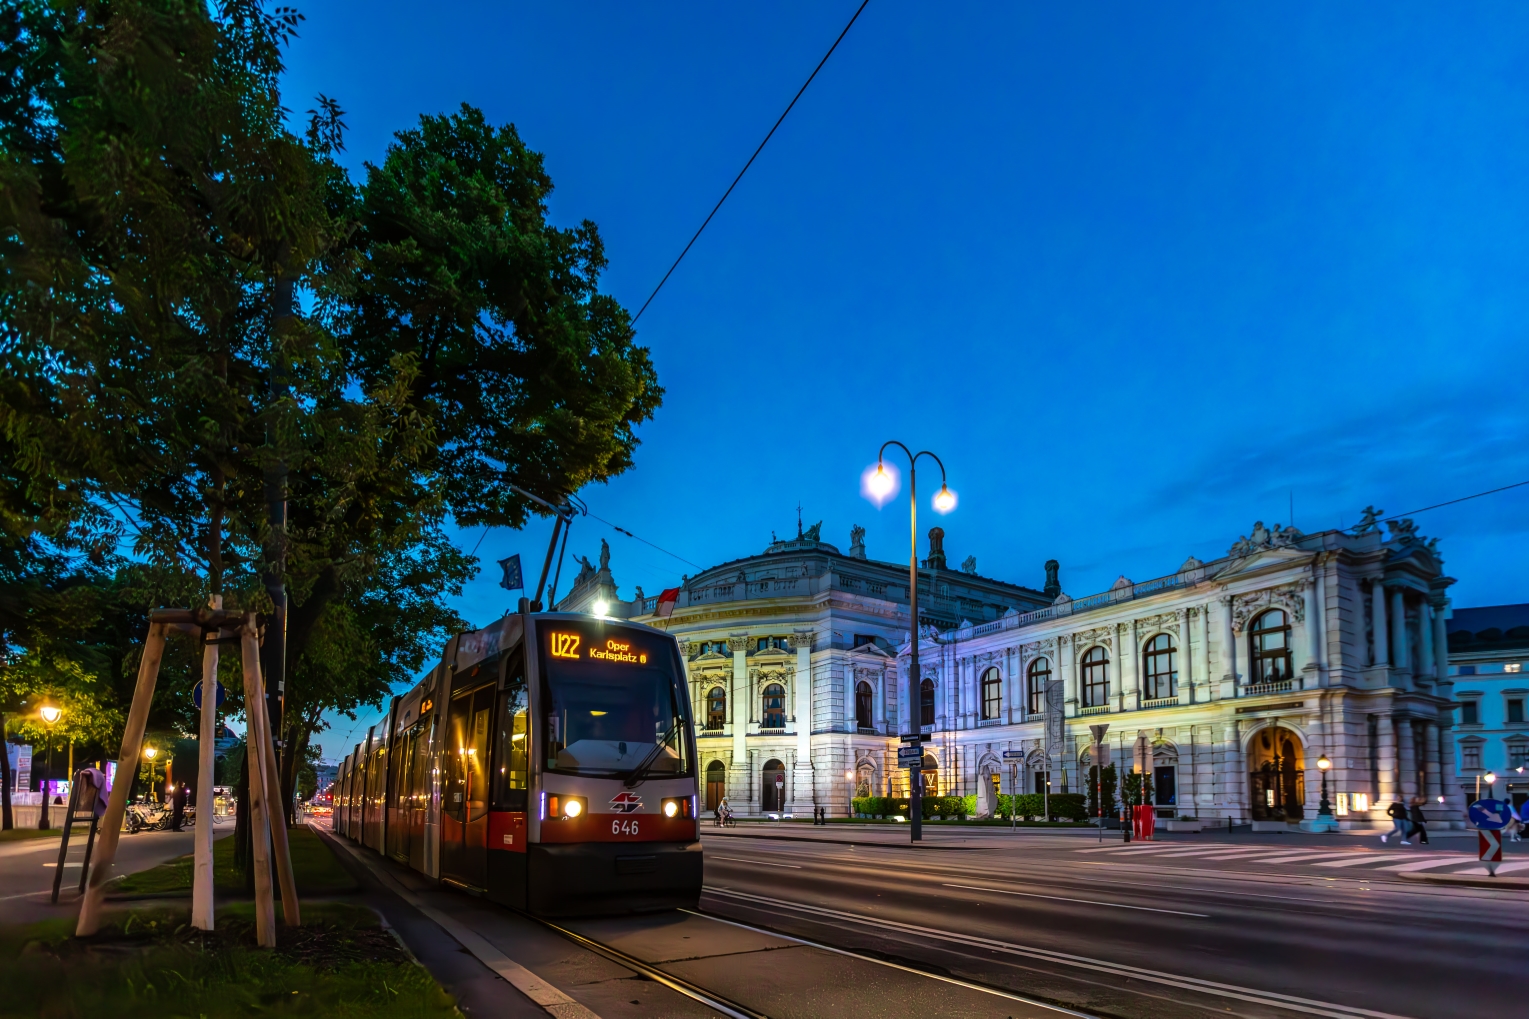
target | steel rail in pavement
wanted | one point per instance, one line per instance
(695, 992)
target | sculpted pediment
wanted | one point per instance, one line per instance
(1263, 560)
(870, 649)
(771, 652)
(713, 656)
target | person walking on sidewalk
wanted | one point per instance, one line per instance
(1419, 822)
(1397, 812)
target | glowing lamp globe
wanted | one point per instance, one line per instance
(879, 483)
(1324, 763)
(944, 500)
(151, 752)
(50, 713)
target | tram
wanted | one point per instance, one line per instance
(548, 763)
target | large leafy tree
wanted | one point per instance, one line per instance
(525, 370)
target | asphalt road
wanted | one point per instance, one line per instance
(1235, 926)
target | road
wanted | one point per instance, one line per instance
(1272, 926)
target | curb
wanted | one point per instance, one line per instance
(782, 837)
(1469, 880)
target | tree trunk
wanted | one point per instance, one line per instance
(7, 821)
(244, 840)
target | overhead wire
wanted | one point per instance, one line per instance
(779, 120)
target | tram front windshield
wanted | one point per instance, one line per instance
(613, 701)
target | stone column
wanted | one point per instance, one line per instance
(1378, 615)
(1440, 664)
(1449, 785)
(803, 794)
(1130, 672)
(1406, 757)
(1229, 682)
(1204, 670)
(1424, 672)
(1399, 642)
(1187, 657)
(1312, 594)
(1234, 780)
(1385, 753)
(740, 791)
(1431, 762)
(1065, 653)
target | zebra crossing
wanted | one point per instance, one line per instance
(1362, 860)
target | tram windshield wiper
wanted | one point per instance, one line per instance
(639, 773)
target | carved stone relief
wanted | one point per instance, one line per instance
(1289, 597)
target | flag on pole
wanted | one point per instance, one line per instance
(666, 602)
(511, 580)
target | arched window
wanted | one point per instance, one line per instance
(926, 702)
(774, 707)
(1269, 647)
(1096, 678)
(863, 701)
(716, 708)
(1040, 675)
(992, 694)
(1162, 672)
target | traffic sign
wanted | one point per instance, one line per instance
(196, 695)
(1013, 755)
(910, 757)
(1490, 845)
(915, 737)
(1491, 815)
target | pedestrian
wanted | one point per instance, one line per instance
(1397, 812)
(1419, 822)
(1516, 821)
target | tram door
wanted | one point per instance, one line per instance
(464, 814)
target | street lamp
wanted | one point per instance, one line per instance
(151, 753)
(50, 713)
(880, 485)
(849, 780)
(1324, 808)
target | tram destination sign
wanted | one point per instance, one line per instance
(570, 645)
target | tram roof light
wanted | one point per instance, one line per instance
(601, 607)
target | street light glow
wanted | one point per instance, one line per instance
(879, 483)
(151, 752)
(1490, 778)
(50, 713)
(944, 500)
(1324, 763)
(601, 607)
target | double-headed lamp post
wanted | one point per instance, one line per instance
(880, 485)
(50, 713)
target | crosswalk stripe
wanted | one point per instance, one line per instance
(1502, 868)
(1305, 856)
(1364, 861)
(1412, 865)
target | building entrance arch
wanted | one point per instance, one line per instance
(1277, 775)
(773, 780)
(716, 784)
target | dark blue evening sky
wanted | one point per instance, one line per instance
(1139, 276)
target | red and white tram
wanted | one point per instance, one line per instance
(547, 762)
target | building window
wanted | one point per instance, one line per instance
(1518, 755)
(716, 708)
(1470, 754)
(1269, 647)
(765, 643)
(1515, 711)
(1162, 668)
(926, 702)
(1040, 675)
(714, 647)
(1096, 678)
(774, 707)
(1470, 714)
(862, 639)
(863, 700)
(1513, 667)
(992, 694)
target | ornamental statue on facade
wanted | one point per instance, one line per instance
(1369, 521)
(1264, 537)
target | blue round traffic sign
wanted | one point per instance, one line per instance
(196, 695)
(1491, 815)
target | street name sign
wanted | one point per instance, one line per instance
(915, 737)
(910, 757)
(1491, 815)
(1013, 755)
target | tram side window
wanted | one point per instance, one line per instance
(512, 740)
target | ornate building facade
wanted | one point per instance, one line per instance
(1223, 683)
(792, 659)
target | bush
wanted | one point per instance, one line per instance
(1064, 806)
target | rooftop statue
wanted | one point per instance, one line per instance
(1368, 521)
(969, 565)
(1263, 537)
(1404, 531)
(605, 555)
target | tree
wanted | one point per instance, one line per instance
(525, 371)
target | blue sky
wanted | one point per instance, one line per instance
(1140, 277)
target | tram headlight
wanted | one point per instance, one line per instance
(565, 808)
(671, 808)
(678, 806)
